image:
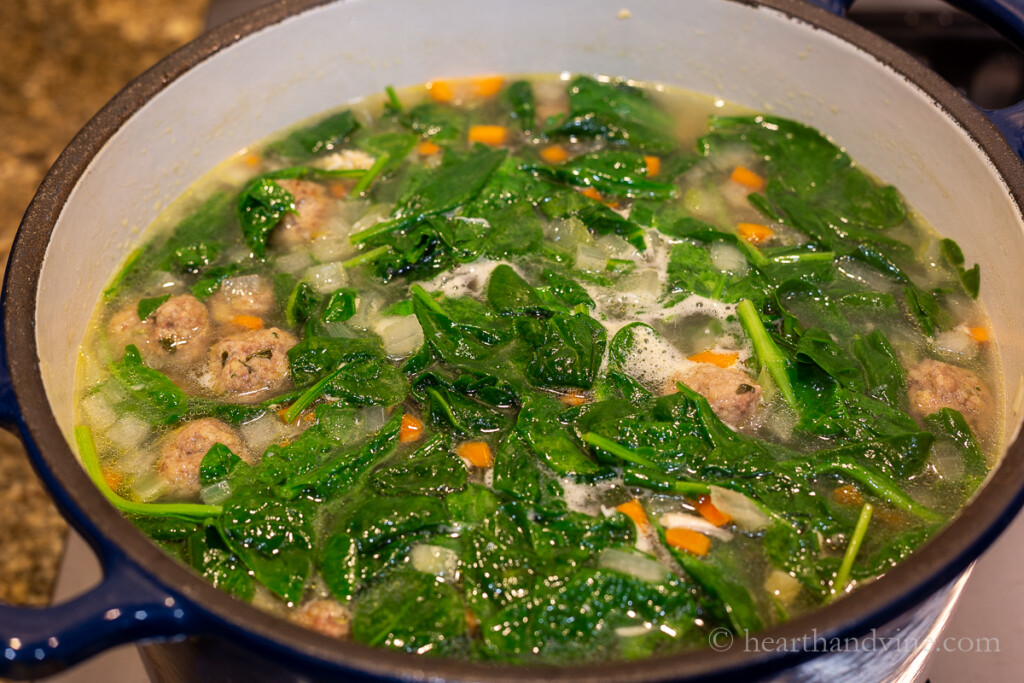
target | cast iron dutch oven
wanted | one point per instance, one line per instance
(287, 62)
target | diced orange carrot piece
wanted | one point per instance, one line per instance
(755, 233)
(441, 91)
(744, 176)
(411, 429)
(979, 334)
(653, 165)
(574, 398)
(635, 511)
(719, 358)
(486, 86)
(709, 512)
(489, 135)
(472, 623)
(688, 540)
(592, 194)
(251, 322)
(848, 495)
(554, 154)
(427, 148)
(478, 453)
(251, 159)
(112, 478)
(339, 189)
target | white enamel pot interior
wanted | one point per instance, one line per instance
(898, 120)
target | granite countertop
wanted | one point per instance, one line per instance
(62, 60)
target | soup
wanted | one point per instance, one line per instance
(540, 370)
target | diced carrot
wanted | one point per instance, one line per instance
(441, 91)
(339, 189)
(478, 453)
(112, 478)
(755, 233)
(489, 135)
(472, 623)
(653, 165)
(307, 416)
(635, 511)
(554, 154)
(689, 540)
(744, 176)
(574, 398)
(251, 159)
(979, 334)
(411, 429)
(592, 194)
(485, 86)
(848, 495)
(709, 512)
(251, 322)
(427, 148)
(719, 358)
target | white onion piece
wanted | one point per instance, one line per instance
(568, 232)
(149, 487)
(728, 258)
(434, 559)
(783, 586)
(216, 492)
(262, 432)
(332, 248)
(955, 343)
(326, 278)
(373, 418)
(98, 412)
(633, 631)
(744, 512)
(128, 433)
(347, 160)
(294, 261)
(401, 335)
(590, 258)
(339, 329)
(368, 308)
(616, 247)
(633, 563)
(682, 520)
(374, 215)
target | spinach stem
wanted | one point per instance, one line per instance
(393, 100)
(309, 395)
(371, 173)
(880, 486)
(766, 349)
(427, 300)
(618, 450)
(87, 451)
(366, 257)
(655, 481)
(374, 230)
(826, 256)
(859, 531)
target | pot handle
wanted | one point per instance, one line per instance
(1006, 17)
(125, 606)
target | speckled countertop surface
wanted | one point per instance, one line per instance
(61, 61)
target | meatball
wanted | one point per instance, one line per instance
(251, 366)
(311, 206)
(323, 616)
(180, 328)
(246, 295)
(183, 451)
(733, 395)
(933, 385)
(179, 331)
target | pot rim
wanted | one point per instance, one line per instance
(927, 570)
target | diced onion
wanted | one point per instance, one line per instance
(568, 232)
(633, 631)
(98, 412)
(216, 492)
(744, 512)
(243, 286)
(616, 247)
(783, 586)
(401, 335)
(332, 248)
(326, 278)
(149, 487)
(728, 258)
(262, 432)
(635, 564)
(434, 559)
(374, 215)
(590, 258)
(682, 520)
(373, 418)
(955, 343)
(294, 261)
(128, 433)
